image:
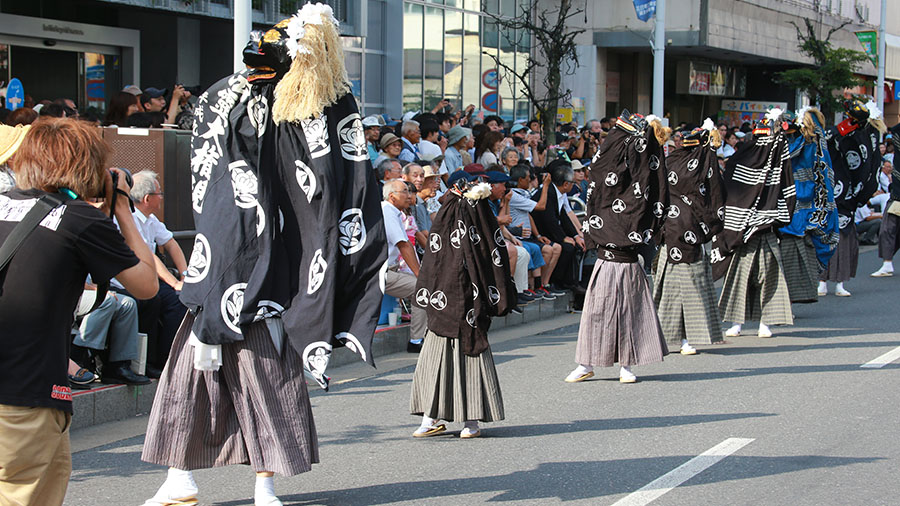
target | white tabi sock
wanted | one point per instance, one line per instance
(178, 485)
(823, 286)
(839, 287)
(888, 265)
(264, 495)
(427, 421)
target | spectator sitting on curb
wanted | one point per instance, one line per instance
(396, 283)
(160, 316)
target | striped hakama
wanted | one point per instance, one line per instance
(754, 286)
(842, 265)
(452, 386)
(685, 300)
(801, 269)
(888, 234)
(619, 322)
(254, 410)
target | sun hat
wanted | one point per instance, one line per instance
(10, 140)
(387, 140)
(456, 134)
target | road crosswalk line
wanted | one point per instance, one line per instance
(883, 360)
(656, 488)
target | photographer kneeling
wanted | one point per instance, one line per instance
(60, 162)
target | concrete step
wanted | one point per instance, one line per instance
(108, 403)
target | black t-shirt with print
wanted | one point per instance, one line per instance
(43, 283)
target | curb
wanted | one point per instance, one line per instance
(109, 403)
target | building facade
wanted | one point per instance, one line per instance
(721, 55)
(407, 55)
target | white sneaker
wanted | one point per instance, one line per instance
(882, 273)
(626, 376)
(580, 373)
(734, 331)
(841, 292)
(764, 330)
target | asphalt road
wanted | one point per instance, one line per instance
(791, 420)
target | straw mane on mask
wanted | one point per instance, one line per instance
(317, 77)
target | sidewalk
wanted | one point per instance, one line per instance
(107, 403)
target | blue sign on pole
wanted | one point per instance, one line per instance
(896, 90)
(645, 9)
(15, 94)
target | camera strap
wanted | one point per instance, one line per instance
(32, 219)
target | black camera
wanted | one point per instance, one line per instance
(115, 177)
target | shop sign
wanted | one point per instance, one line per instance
(869, 41)
(564, 114)
(15, 94)
(708, 79)
(751, 105)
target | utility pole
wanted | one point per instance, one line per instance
(882, 49)
(659, 57)
(243, 23)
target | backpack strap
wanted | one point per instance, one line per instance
(29, 223)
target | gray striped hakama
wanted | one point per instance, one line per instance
(801, 269)
(254, 410)
(754, 288)
(685, 301)
(619, 322)
(845, 259)
(452, 386)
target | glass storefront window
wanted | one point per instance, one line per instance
(453, 55)
(434, 57)
(447, 51)
(412, 57)
(471, 84)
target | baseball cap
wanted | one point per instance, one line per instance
(372, 121)
(516, 128)
(460, 174)
(155, 92)
(495, 176)
(134, 90)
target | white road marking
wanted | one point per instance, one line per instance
(656, 488)
(883, 360)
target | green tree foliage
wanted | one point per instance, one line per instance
(832, 72)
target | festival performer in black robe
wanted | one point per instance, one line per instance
(464, 281)
(627, 202)
(808, 242)
(285, 265)
(683, 292)
(759, 197)
(853, 147)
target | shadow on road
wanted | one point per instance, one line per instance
(564, 481)
(758, 371)
(786, 348)
(537, 430)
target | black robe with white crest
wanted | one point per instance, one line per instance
(856, 161)
(695, 201)
(627, 197)
(288, 222)
(465, 278)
